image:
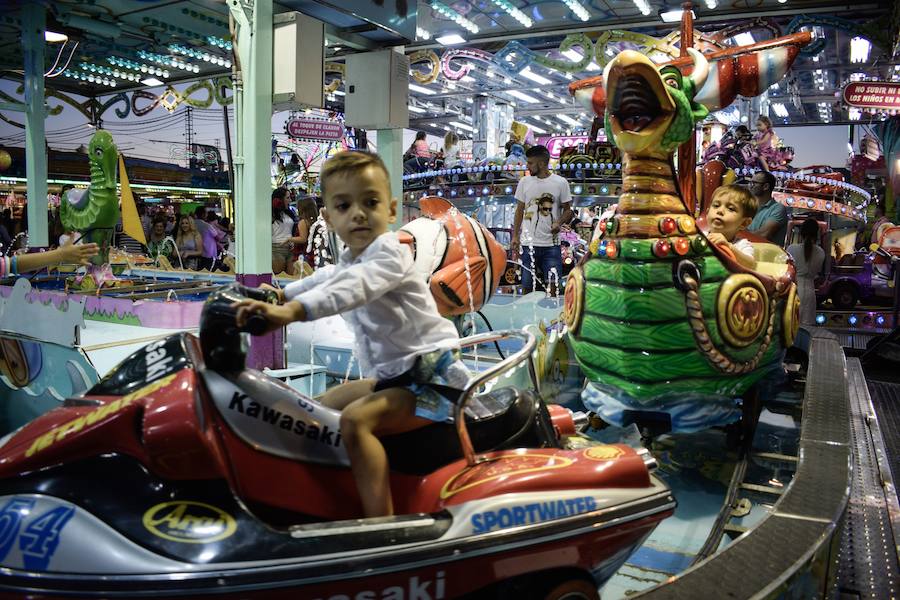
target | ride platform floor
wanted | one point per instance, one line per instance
(699, 468)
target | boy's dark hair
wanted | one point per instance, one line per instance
(770, 180)
(538, 152)
(351, 161)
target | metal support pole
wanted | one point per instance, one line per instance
(253, 122)
(228, 147)
(390, 149)
(252, 161)
(33, 26)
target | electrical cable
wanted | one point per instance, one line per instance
(58, 55)
(491, 328)
(66, 66)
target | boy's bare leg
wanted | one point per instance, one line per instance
(341, 395)
(384, 412)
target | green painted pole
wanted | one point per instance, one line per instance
(33, 26)
(252, 162)
(253, 126)
(390, 149)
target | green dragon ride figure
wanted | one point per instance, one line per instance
(94, 212)
(664, 325)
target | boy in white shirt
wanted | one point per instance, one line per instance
(402, 342)
(732, 209)
(544, 204)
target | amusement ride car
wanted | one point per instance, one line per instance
(184, 472)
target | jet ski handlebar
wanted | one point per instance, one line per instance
(219, 333)
(524, 353)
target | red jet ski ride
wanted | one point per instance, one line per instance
(184, 473)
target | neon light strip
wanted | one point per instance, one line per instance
(143, 186)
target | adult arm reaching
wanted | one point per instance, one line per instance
(79, 254)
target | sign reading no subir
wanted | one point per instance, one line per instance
(873, 95)
(314, 129)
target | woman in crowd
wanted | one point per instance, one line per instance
(808, 259)
(189, 243)
(213, 241)
(451, 150)
(308, 212)
(158, 244)
(282, 234)
(418, 155)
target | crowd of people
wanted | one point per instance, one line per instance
(197, 241)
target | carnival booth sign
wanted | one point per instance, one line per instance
(873, 96)
(314, 129)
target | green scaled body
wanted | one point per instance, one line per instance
(658, 320)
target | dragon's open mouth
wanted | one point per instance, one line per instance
(634, 105)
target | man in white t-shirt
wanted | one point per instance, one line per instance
(544, 203)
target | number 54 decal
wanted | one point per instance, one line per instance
(37, 535)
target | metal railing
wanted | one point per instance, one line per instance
(524, 353)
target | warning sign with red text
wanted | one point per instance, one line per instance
(873, 95)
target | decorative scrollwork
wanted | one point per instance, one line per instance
(221, 84)
(463, 53)
(742, 309)
(120, 112)
(580, 40)
(758, 23)
(145, 95)
(790, 321)
(185, 96)
(434, 63)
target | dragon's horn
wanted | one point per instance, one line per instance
(701, 68)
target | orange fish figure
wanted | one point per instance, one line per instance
(445, 241)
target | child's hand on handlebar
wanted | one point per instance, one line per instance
(277, 316)
(278, 291)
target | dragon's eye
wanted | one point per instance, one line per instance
(671, 81)
(98, 152)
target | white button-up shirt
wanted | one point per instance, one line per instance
(386, 303)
